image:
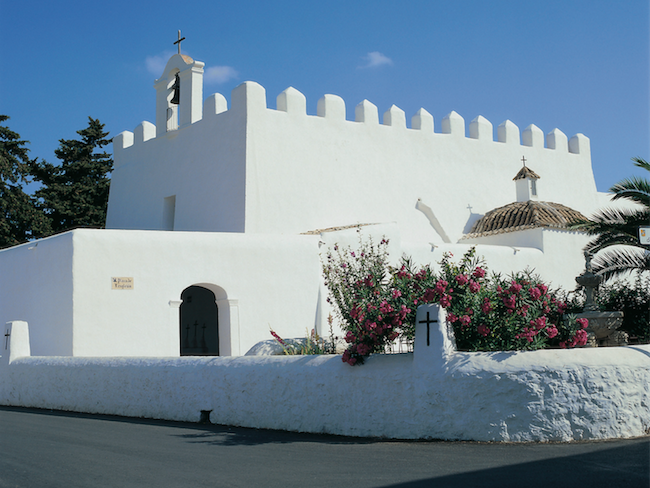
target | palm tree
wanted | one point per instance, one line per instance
(614, 227)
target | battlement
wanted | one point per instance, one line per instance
(249, 99)
(241, 155)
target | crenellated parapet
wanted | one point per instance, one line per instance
(249, 98)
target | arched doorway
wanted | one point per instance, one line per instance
(199, 322)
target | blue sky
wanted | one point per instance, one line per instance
(580, 66)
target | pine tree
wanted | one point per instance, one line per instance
(20, 220)
(75, 192)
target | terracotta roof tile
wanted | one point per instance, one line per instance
(524, 215)
(526, 172)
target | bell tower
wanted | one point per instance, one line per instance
(179, 93)
(526, 184)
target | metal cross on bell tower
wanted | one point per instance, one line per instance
(179, 41)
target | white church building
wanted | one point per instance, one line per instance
(218, 215)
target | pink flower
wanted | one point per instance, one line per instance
(483, 330)
(465, 320)
(509, 301)
(486, 306)
(429, 296)
(278, 338)
(404, 311)
(535, 293)
(479, 272)
(440, 286)
(363, 349)
(584, 323)
(451, 318)
(542, 288)
(474, 287)
(551, 331)
(385, 308)
(539, 323)
(462, 279)
(445, 301)
(581, 337)
(523, 310)
(515, 287)
(354, 312)
(397, 293)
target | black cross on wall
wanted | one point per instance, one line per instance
(7, 334)
(428, 321)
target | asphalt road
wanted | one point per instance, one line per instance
(40, 448)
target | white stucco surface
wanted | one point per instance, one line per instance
(62, 288)
(435, 392)
(250, 168)
(36, 285)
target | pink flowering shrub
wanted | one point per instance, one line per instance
(376, 303)
(493, 313)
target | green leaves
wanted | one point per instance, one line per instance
(377, 303)
(19, 218)
(75, 192)
(620, 227)
(635, 189)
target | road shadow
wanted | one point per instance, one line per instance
(626, 466)
(222, 435)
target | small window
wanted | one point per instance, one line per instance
(533, 187)
(169, 212)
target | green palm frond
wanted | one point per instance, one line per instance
(615, 220)
(641, 163)
(612, 264)
(607, 240)
(635, 189)
(620, 226)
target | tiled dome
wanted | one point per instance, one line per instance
(524, 215)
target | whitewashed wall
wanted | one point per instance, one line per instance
(436, 392)
(36, 285)
(254, 169)
(63, 287)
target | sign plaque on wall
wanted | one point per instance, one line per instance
(123, 283)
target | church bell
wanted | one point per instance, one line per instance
(177, 90)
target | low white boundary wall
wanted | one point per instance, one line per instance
(435, 392)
